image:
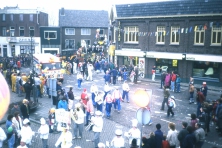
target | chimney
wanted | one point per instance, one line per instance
(62, 11)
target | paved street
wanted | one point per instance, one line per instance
(123, 119)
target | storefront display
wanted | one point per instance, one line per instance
(205, 69)
(166, 65)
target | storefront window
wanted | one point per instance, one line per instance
(166, 65)
(130, 60)
(205, 69)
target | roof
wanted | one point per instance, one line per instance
(177, 7)
(84, 18)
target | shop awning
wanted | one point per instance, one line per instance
(164, 55)
(133, 53)
(204, 57)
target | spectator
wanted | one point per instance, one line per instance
(172, 136)
(10, 132)
(165, 143)
(191, 91)
(200, 100)
(193, 121)
(151, 142)
(63, 104)
(2, 137)
(158, 136)
(15, 108)
(200, 135)
(182, 134)
(17, 122)
(25, 109)
(190, 139)
(162, 81)
(178, 80)
(204, 89)
(134, 144)
(166, 94)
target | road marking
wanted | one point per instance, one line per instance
(165, 120)
(178, 100)
(158, 112)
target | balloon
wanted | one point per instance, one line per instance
(141, 98)
(10, 129)
(4, 96)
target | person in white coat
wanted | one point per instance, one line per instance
(26, 132)
(65, 139)
(2, 137)
(97, 127)
(22, 143)
(44, 132)
(90, 69)
(17, 122)
(172, 136)
(118, 140)
(134, 133)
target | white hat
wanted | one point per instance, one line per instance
(204, 82)
(172, 97)
(98, 113)
(118, 132)
(25, 121)
(134, 123)
(101, 145)
(42, 120)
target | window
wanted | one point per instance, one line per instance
(20, 17)
(50, 34)
(21, 31)
(130, 34)
(4, 31)
(101, 32)
(26, 49)
(199, 36)
(3, 17)
(11, 17)
(12, 31)
(69, 44)
(175, 35)
(69, 31)
(85, 43)
(31, 31)
(216, 35)
(160, 38)
(85, 31)
(31, 17)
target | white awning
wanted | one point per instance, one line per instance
(130, 53)
(204, 57)
(164, 55)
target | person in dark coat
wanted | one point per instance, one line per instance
(114, 72)
(190, 139)
(182, 134)
(151, 142)
(25, 109)
(137, 73)
(158, 136)
(107, 77)
(28, 89)
(134, 144)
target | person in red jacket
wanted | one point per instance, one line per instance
(18, 64)
(153, 73)
(84, 97)
(200, 99)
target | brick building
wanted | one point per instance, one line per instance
(181, 36)
(19, 31)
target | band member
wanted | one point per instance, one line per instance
(117, 98)
(126, 90)
(118, 140)
(99, 101)
(89, 110)
(65, 138)
(106, 90)
(97, 126)
(84, 97)
(77, 116)
(134, 133)
(93, 90)
(108, 101)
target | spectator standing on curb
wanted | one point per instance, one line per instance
(84, 97)
(125, 75)
(51, 120)
(114, 73)
(158, 136)
(132, 75)
(44, 133)
(153, 73)
(136, 74)
(178, 80)
(17, 122)
(173, 80)
(167, 80)
(166, 95)
(193, 121)
(162, 81)
(171, 105)
(89, 110)
(28, 89)
(182, 134)
(63, 103)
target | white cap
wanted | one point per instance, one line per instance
(101, 145)
(118, 132)
(134, 123)
(42, 120)
(172, 97)
(25, 121)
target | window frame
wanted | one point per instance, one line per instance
(87, 40)
(11, 17)
(101, 30)
(199, 36)
(21, 17)
(4, 31)
(216, 31)
(12, 31)
(69, 44)
(21, 30)
(88, 31)
(3, 17)
(160, 30)
(30, 29)
(50, 31)
(177, 28)
(128, 33)
(67, 33)
(31, 17)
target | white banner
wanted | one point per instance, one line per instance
(62, 116)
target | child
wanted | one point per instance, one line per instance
(165, 144)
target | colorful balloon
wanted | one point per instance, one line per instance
(4, 96)
(141, 98)
(10, 129)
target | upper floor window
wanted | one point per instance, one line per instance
(199, 34)
(21, 31)
(130, 34)
(50, 34)
(3, 17)
(4, 31)
(85, 31)
(69, 31)
(31, 31)
(20, 17)
(11, 17)
(175, 35)
(85, 43)
(31, 17)
(160, 37)
(69, 44)
(216, 35)
(12, 31)
(101, 31)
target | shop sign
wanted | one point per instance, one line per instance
(174, 63)
(26, 40)
(190, 58)
(150, 56)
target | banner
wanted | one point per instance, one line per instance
(62, 116)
